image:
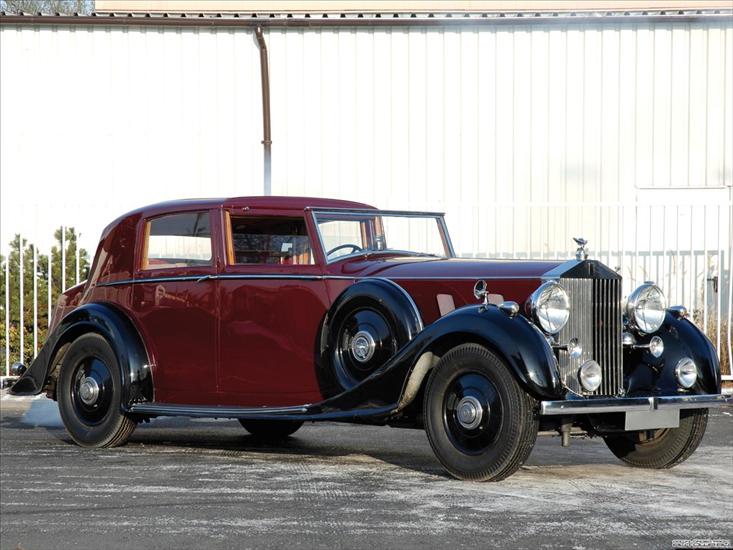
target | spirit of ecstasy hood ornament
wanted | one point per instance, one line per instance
(581, 253)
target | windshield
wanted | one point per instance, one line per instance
(366, 232)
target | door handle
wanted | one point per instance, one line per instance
(204, 278)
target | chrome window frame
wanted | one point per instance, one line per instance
(357, 212)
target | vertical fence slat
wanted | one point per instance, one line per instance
(636, 250)
(76, 260)
(35, 301)
(21, 306)
(50, 286)
(693, 264)
(730, 292)
(705, 268)
(719, 282)
(7, 315)
(63, 258)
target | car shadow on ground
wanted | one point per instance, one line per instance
(408, 449)
(403, 448)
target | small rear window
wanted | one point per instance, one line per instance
(178, 240)
(275, 240)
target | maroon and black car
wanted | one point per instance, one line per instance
(281, 310)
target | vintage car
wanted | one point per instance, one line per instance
(280, 310)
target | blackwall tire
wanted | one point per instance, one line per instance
(504, 434)
(666, 448)
(271, 429)
(89, 394)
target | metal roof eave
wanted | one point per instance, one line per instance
(301, 20)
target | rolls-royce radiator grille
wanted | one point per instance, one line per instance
(595, 321)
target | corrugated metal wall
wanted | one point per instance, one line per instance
(402, 117)
(525, 135)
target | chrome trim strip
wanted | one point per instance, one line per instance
(275, 276)
(446, 235)
(600, 406)
(234, 276)
(155, 280)
(407, 295)
(212, 412)
(373, 212)
(197, 278)
(557, 271)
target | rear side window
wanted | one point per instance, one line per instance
(282, 241)
(178, 240)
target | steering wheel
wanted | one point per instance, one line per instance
(353, 247)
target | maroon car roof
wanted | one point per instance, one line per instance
(291, 203)
(260, 202)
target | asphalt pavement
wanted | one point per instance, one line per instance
(207, 484)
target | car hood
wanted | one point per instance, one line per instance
(446, 268)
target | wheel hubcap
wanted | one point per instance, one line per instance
(472, 413)
(363, 346)
(92, 390)
(88, 390)
(469, 412)
(365, 340)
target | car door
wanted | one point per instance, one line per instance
(272, 303)
(174, 301)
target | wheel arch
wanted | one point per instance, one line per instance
(382, 291)
(117, 328)
(520, 347)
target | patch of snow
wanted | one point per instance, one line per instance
(43, 413)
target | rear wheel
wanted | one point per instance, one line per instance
(366, 326)
(664, 448)
(480, 423)
(271, 429)
(89, 394)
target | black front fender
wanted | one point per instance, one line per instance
(646, 375)
(112, 324)
(514, 339)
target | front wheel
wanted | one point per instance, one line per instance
(271, 429)
(664, 448)
(89, 394)
(480, 423)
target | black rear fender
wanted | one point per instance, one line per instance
(112, 324)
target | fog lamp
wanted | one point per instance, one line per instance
(590, 375)
(686, 372)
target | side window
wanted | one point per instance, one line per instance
(342, 237)
(178, 240)
(282, 241)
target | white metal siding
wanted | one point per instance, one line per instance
(401, 117)
(524, 135)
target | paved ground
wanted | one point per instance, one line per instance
(206, 484)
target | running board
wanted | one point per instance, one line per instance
(300, 412)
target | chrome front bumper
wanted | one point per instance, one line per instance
(633, 404)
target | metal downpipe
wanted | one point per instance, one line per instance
(266, 130)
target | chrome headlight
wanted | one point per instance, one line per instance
(550, 307)
(646, 308)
